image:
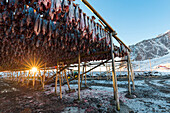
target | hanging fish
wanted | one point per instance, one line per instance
(93, 31)
(58, 6)
(44, 27)
(30, 15)
(82, 24)
(76, 14)
(107, 38)
(52, 9)
(65, 5)
(38, 24)
(71, 11)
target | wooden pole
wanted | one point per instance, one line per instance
(109, 73)
(12, 76)
(79, 75)
(82, 75)
(28, 78)
(114, 77)
(60, 85)
(34, 79)
(100, 73)
(56, 79)
(67, 80)
(106, 71)
(23, 80)
(44, 77)
(40, 77)
(131, 71)
(85, 75)
(62, 72)
(17, 76)
(129, 87)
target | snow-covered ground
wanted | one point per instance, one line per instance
(149, 95)
(153, 64)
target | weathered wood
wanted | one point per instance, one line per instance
(82, 75)
(44, 77)
(60, 86)
(79, 75)
(24, 76)
(131, 70)
(114, 77)
(40, 77)
(56, 79)
(95, 67)
(28, 78)
(67, 80)
(129, 87)
(85, 75)
(34, 79)
(17, 76)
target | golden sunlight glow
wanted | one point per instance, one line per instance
(34, 69)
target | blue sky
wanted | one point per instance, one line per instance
(133, 20)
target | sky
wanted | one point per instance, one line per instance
(133, 20)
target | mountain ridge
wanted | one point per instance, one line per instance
(151, 48)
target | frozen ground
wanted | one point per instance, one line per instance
(152, 94)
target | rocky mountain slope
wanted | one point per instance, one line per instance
(152, 48)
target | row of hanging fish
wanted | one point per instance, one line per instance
(49, 30)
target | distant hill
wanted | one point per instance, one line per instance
(152, 48)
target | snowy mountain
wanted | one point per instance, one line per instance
(152, 48)
(152, 54)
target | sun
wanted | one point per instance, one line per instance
(34, 69)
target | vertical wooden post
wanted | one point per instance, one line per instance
(131, 71)
(60, 85)
(82, 77)
(19, 77)
(28, 78)
(34, 79)
(106, 72)
(114, 77)
(67, 80)
(12, 76)
(62, 71)
(44, 76)
(79, 75)
(56, 79)
(129, 87)
(85, 75)
(23, 80)
(100, 73)
(40, 77)
(48, 73)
